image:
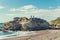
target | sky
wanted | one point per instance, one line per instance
(44, 9)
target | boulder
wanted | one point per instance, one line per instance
(12, 26)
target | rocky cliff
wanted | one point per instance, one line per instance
(23, 23)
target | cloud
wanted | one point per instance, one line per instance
(28, 10)
(1, 7)
(12, 9)
(24, 8)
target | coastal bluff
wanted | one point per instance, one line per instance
(26, 24)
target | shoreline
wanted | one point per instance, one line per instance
(20, 38)
(18, 34)
(41, 35)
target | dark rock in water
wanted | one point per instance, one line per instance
(13, 25)
(1, 28)
(24, 24)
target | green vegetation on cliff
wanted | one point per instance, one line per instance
(56, 22)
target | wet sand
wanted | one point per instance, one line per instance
(41, 35)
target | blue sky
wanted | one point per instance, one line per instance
(45, 9)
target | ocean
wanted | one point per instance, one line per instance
(12, 34)
(1, 24)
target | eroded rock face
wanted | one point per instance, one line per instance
(13, 25)
(25, 24)
(35, 24)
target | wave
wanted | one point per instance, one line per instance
(16, 34)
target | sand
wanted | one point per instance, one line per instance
(41, 35)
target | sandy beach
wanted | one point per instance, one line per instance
(41, 35)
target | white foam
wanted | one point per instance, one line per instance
(18, 34)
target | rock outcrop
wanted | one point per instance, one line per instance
(36, 24)
(12, 25)
(25, 24)
(55, 23)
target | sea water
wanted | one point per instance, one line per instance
(1, 24)
(11, 34)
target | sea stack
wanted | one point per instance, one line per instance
(26, 24)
